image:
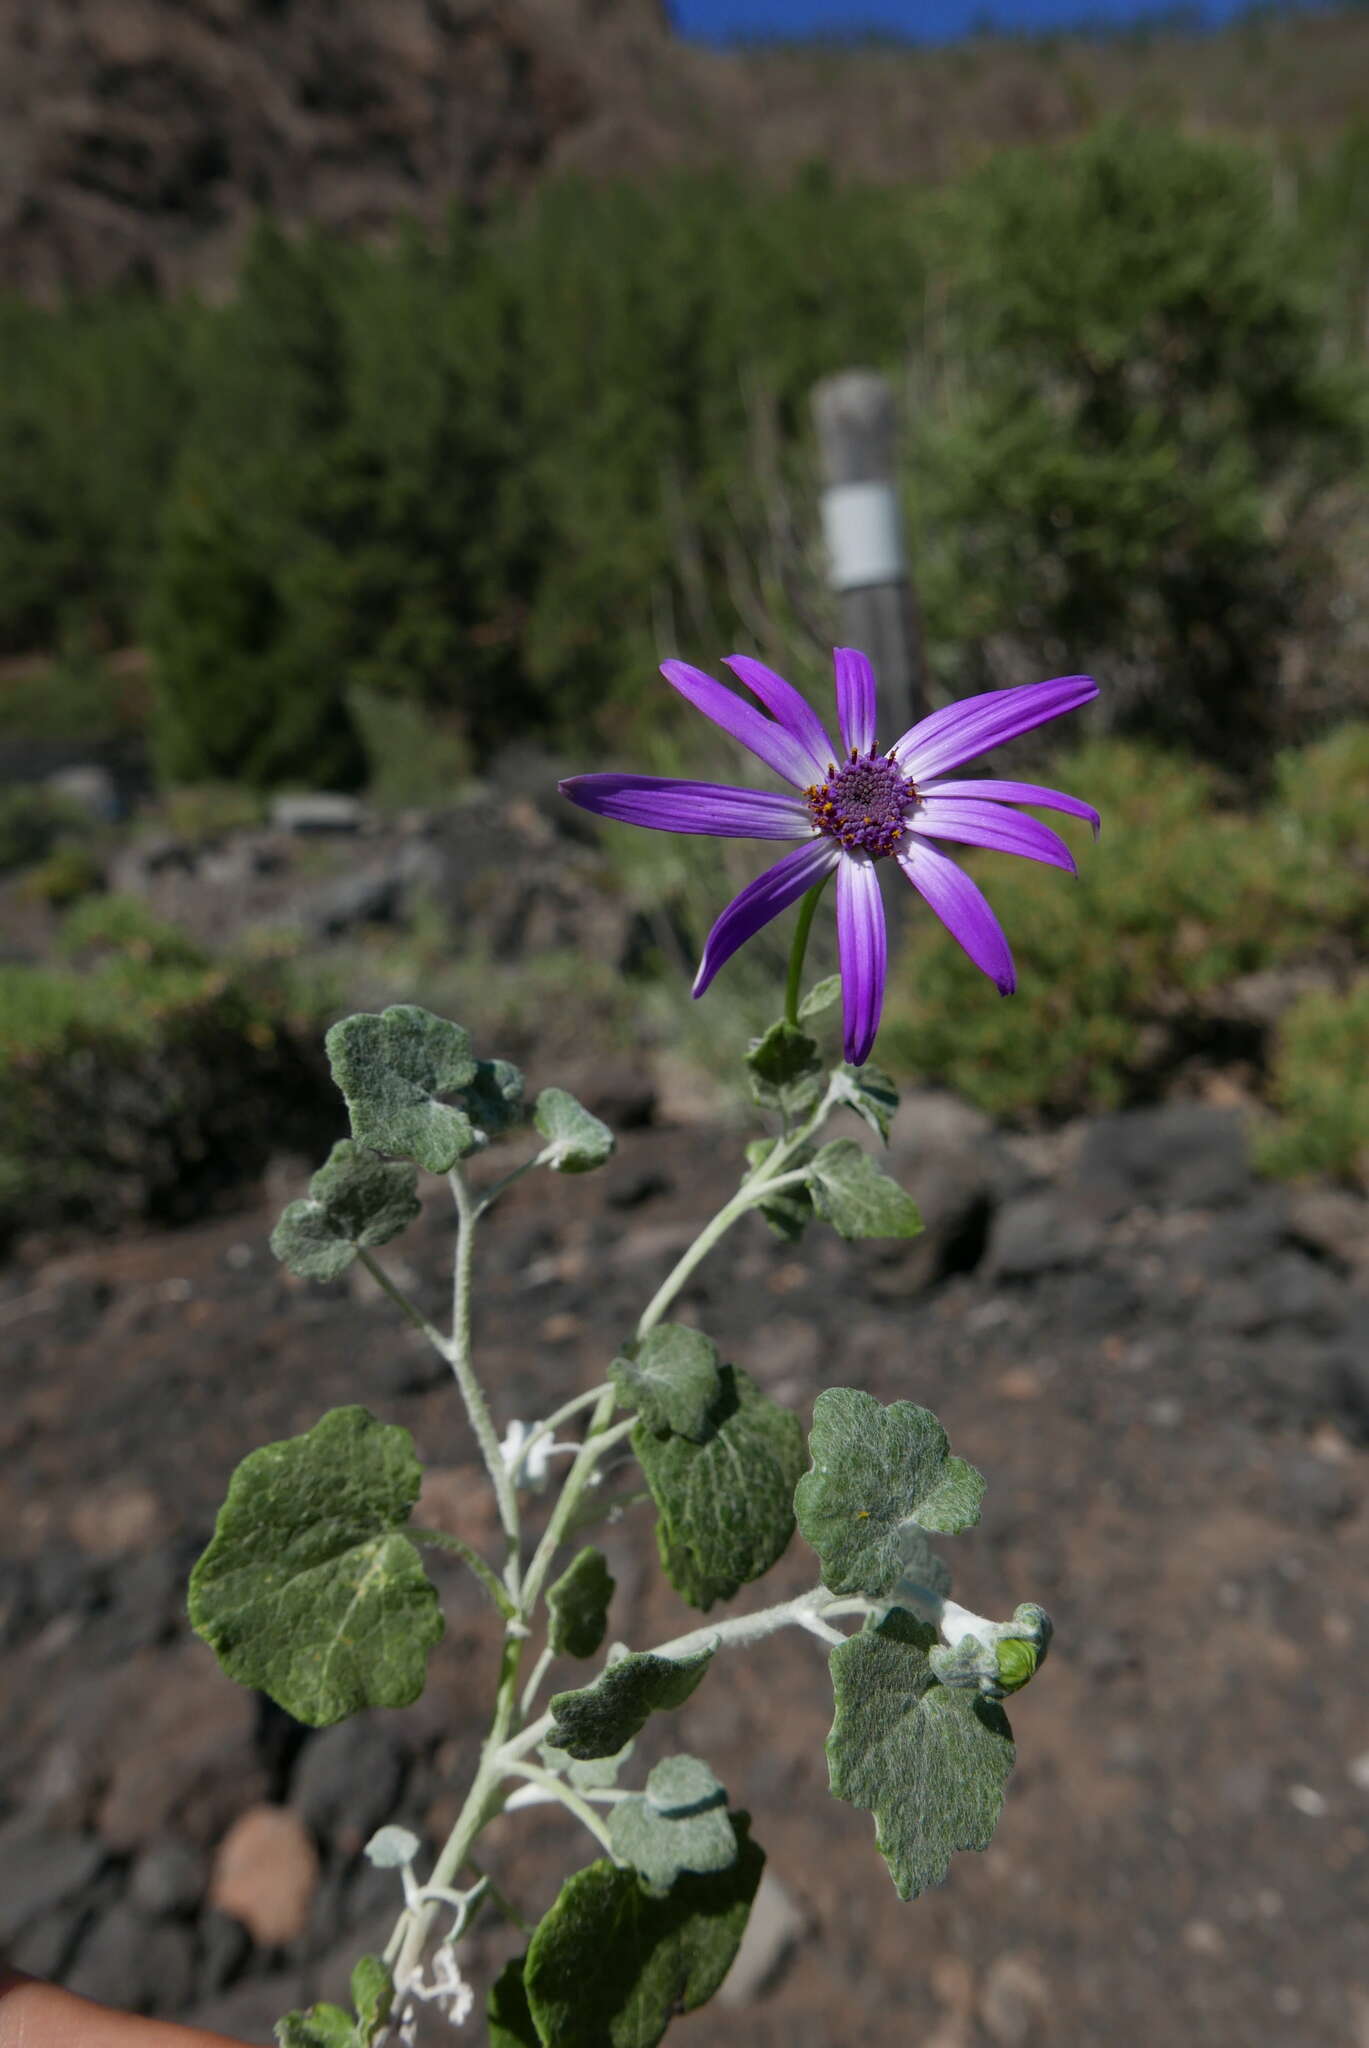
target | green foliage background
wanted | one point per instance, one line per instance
(500, 475)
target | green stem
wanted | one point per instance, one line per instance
(439, 1539)
(402, 1302)
(577, 1479)
(556, 1788)
(472, 1393)
(798, 951)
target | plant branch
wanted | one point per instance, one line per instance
(471, 1390)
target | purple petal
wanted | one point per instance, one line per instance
(856, 699)
(1017, 793)
(863, 948)
(669, 806)
(784, 703)
(763, 899)
(961, 732)
(961, 908)
(986, 824)
(771, 743)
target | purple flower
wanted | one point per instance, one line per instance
(849, 817)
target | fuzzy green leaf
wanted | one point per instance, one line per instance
(393, 1069)
(309, 1589)
(785, 1071)
(611, 1965)
(588, 1774)
(372, 1994)
(726, 1506)
(578, 1605)
(856, 1198)
(596, 1720)
(820, 997)
(680, 1823)
(929, 1763)
(671, 1379)
(321, 2026)
(875, 1469)
(494, 1099)
(576, 1141)
(509, 2016)
(870, 1093)
(791, 1210)
(354, 1199)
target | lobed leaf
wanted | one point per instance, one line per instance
(858, 1200)
(870, 1093)
(726, 1505)
(320, 2026)
(494, 1099)
(577, 1605)
(680, 1823)
(785, 1072)
(393, 1070)
(930, 1764)
(875, 1470)
(354, 1199)
(597, 1720)
(576, 1141)
(610, 1966)
(790, 1211)
(820, 997)
(671, 1378)
(308, 1589)
(509, 2016)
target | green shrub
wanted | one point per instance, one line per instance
(1117, 967)
(71, 871)
(32, 820)
(1320, 1087)
(122, 929)
(150, 1084)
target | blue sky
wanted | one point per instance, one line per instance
(921, 20)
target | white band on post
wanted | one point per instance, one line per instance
(864, 535)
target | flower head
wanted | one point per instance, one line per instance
(854, 807)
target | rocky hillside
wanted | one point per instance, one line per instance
(142, 135)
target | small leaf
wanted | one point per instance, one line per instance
(494, 1099)
(511, 2024)
(596, 1720)
(390, 1848)
(870, 1093)
(929, 1763)
(611, 1966)
(671, 1379)
(820, 997)
(322, 2026)
(372, 1994)
(791, 1210)
(785, 1071)
(309, 1590)
(392, 1070)
(680, 1823)
(856, 1198)
(354, 1199)
(875, 1469)
(576, 1141)
(592, 1774)
(995, 1658)
(578, 1605)
(726, 1506)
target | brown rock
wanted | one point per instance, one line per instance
(114, 1520)
(265, 1874)
(176, 1742)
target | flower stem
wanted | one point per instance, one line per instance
(798, 951)
(556, 1788)
(472, 1393)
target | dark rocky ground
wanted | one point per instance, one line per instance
(1162, 1366)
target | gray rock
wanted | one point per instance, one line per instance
(126, 1960)
(1181, 1156)
(39, 1870)
(1039, 1234)
(347, 1782)
(223, 1948)
(250, 2010)
(319, 810)
(168, 1879)
(90, 788)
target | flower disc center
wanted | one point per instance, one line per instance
(864, 804)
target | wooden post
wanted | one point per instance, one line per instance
(855, 420)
